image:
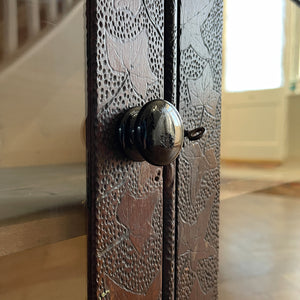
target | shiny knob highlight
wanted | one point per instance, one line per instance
(153, 133)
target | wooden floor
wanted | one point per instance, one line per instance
(259, 246)
(52, 272)
(260, 238)
(42, 233)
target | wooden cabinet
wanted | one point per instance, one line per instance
(153, 231)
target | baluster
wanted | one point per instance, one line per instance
(66, 4)
(10, 26)
(33, 17)
(51, 10)
(296, 36)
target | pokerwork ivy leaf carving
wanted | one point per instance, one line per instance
(197, 291)
(194, 14)
(131, 57)
(135, 214)
(192, 237)
(199, 162)
(202, 93)
(132, 5)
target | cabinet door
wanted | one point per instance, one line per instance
(125, 69)
(153, 230)
(200, 72)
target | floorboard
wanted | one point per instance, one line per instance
(260, 236)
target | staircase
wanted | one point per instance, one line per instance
(42, 82)
(42, 105)
(22, 22)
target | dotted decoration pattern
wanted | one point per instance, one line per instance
(201, 158)
(186, 277)
(118, 260)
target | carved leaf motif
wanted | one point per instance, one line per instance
(114, 53)
(132, 57)
(196, 291)
(194, 13)
(208, 159)
(121, 294)
(192, 237)
(200, 162)
(135, 214)
(132, 5)
(202, 93)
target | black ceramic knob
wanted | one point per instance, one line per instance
(153, 133)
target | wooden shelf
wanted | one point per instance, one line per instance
(41, 205)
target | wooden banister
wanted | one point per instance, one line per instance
(33, 17)
(10, 27)
(51, 10)
(34, 10)
(66, 4)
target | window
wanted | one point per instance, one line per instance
(254, 37)
(295, 49)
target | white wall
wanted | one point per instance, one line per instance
(255, 124)
(294, 127)
(42, 99)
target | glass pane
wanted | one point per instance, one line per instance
(254, 39)
(42, 150)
